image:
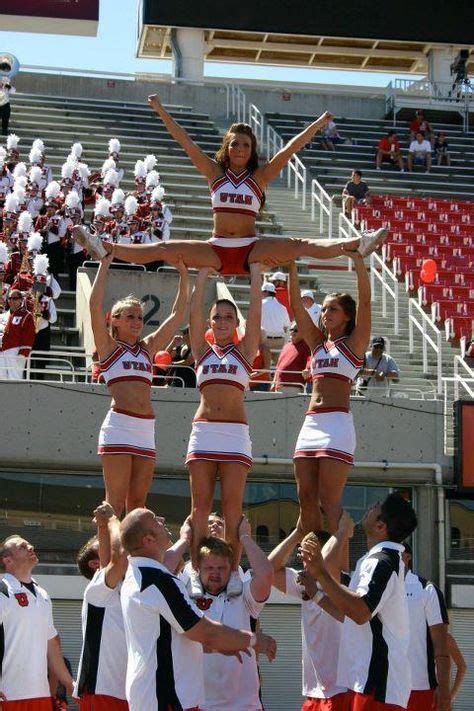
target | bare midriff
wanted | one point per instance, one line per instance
(330, 392)
(132, 396)
(230, 225)
(221, 403)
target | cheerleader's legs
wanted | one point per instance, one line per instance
(233, 477)
(140, 482)
(320, 483)
(203, 476)
(127, 481)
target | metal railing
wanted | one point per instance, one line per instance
(379, 272)
(319, 196)
(297, 170)
(462, 375)
(256, 121)
(419, 320)
(236, 102)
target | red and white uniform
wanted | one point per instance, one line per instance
(17, 341)
(329, 432)
(228, 683)
(26, 626)
(237, 194)
(321, 636)
(214, 440)
(103, 663)
(124, 432)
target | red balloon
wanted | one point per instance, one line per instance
(427, 277)
(162, 359)
(429, 266)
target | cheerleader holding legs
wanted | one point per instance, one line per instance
(219, 445)
(325, 447)
(127, 435)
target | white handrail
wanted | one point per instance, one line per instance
(422, 323)
(459, 379)
(379, 271)
(299, 171)
(236, 102)
(257, 123)
(319, 196)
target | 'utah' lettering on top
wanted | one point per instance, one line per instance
(136, 365)
(214, 368)
(236, 198)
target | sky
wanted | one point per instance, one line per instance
(114, 49)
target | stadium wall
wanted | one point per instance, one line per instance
(211, 97)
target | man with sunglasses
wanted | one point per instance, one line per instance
(18, 336)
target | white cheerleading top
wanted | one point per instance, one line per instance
(127, 363)
(223, 366)
(334, 359)
(238, 194)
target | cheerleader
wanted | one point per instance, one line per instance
(219, 445)
(237, 185)
(326, 443)
(127, 435)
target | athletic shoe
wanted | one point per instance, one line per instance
(91, 243)
(372, 240)
(234, 586)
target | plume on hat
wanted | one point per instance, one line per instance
(35, 241)
(52, 190)
(152, 179)
(102, 207)
(19, 169)
(76, 150)
(72, 200)
(84, 171)
(111, 178)
(35, 174)
(158, 194)
(35, 156)
(3, 253)
(40, 265)
(114, 145)
(11, 203)
(12, 141)
(108, 164)
(3, 155)
(25, 222)
(19, 192)
(131, 205)
(38, 145)
(150, 162)
(20, 182)
(118, 197)
(68, 169)
(139, 171)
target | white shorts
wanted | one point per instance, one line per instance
(220, 442)
(327, 433)
(124, 432)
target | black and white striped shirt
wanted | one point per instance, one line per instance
(165, 668)
(426, 608)
(373, 656)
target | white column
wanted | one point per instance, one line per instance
(439, 63)
(190, 64)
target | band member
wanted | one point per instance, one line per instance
(325, 448)
(18, 337)
(127, 435)
(237, 184)
(220, 444)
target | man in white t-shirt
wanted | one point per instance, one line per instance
(320, 632)
(419, 153)
(164, 629)
(29, 643)
(376, 632)
(428, 653)
(231, 683)
(275, 319)
(313, 308)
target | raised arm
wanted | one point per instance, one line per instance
(253, 326)
(197, 320)
(160, 338)
(359, 338)
(205, 165)
(273, 168)
(279, 558)
(108, 530)
(311, 333)
(262, 568)
(175, 553)
(104, 342)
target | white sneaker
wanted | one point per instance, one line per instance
(195, 588)
(372, 240)
(91, 243)
(234, 586)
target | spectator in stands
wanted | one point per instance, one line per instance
(469, 354)
(331, 136)
(275, 319)
(419, 153)
(182, 370)
(18, 337)
(379, 368)
(260, 381)
(6, 89)
(355, 192)
(310, 305)
(420, 123)
(441, 149)
(388, 150)
(280, 282)
(291, 362)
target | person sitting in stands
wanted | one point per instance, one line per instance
(379, 368)
(420, 153)
(441, 149)
(331, 136)
(355, 192)
(388, 150)
(420, 123)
